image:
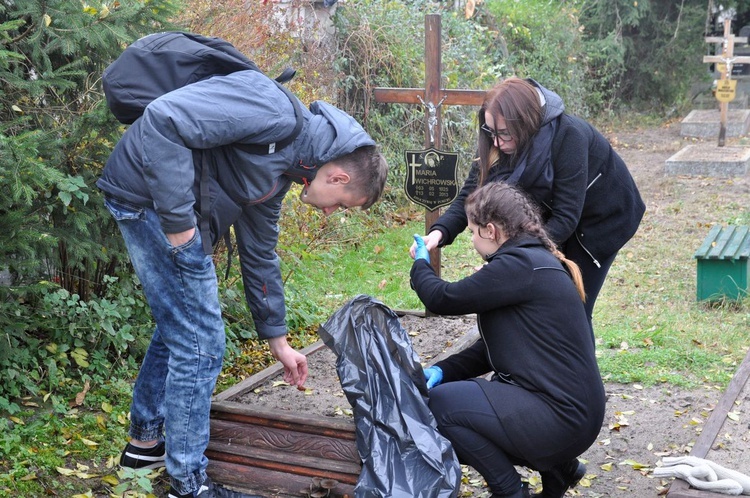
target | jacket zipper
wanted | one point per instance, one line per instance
(505, 377)
(593, 259)
(593, 181)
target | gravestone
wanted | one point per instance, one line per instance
(703, 159)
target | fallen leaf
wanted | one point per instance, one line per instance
(81, 396)
(89, 442)
(111, 480)
(634, 464)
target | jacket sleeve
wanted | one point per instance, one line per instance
(210, 113)
(571, 163)
(257, 234)
(454, 221)
(467, 364)
(502, 282)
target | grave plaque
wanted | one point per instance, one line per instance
(726, 90)
(431, 177)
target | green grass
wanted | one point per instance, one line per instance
(649, 327)
(69, 451)
(377, 264)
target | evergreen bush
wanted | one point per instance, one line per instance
(58, 246)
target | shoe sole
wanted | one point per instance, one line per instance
(156, 462)
(152, 466)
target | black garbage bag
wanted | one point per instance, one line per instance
(403, 455)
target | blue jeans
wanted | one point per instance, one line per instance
(172, 394)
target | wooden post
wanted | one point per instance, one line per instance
(725, 90)
(432, 94)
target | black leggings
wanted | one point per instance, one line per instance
(466, 418)
(593, 276)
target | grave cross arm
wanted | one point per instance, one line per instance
(416, 96)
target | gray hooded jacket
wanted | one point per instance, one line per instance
(157, 164)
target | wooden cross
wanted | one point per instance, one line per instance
(725, 89)
(433, 97)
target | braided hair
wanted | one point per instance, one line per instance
(514, 214)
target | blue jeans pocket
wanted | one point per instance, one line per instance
(123, 210)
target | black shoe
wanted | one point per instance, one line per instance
(210, 490)
(143, 458)
(558, 480)
(521, 493)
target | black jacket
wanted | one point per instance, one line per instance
(593, 196)
(534, 334)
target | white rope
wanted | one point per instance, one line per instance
(704, 474)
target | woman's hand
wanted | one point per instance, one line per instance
(431, 241)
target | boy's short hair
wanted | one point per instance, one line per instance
(368, 172)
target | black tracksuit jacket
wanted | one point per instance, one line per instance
(534, 334)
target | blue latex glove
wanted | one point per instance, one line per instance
(433, 376)
(421, 251)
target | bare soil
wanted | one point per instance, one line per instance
(642, 424)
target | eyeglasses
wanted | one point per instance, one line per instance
(494, 134)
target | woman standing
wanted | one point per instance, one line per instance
(545, 402)
(590, 204)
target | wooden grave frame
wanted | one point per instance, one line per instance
(680, 488)
(276, 453)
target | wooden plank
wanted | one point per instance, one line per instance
(720, 39)
(703, 250)
(717, 249)
(298, 447)
(734, 242)
(680, 488)
(719, 59)
(307, 423)
(266, 482)
(412, 95)
(287, 463)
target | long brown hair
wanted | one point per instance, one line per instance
(517, 101)
(510, 209)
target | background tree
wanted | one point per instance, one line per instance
(648, 53)
(55, 135)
